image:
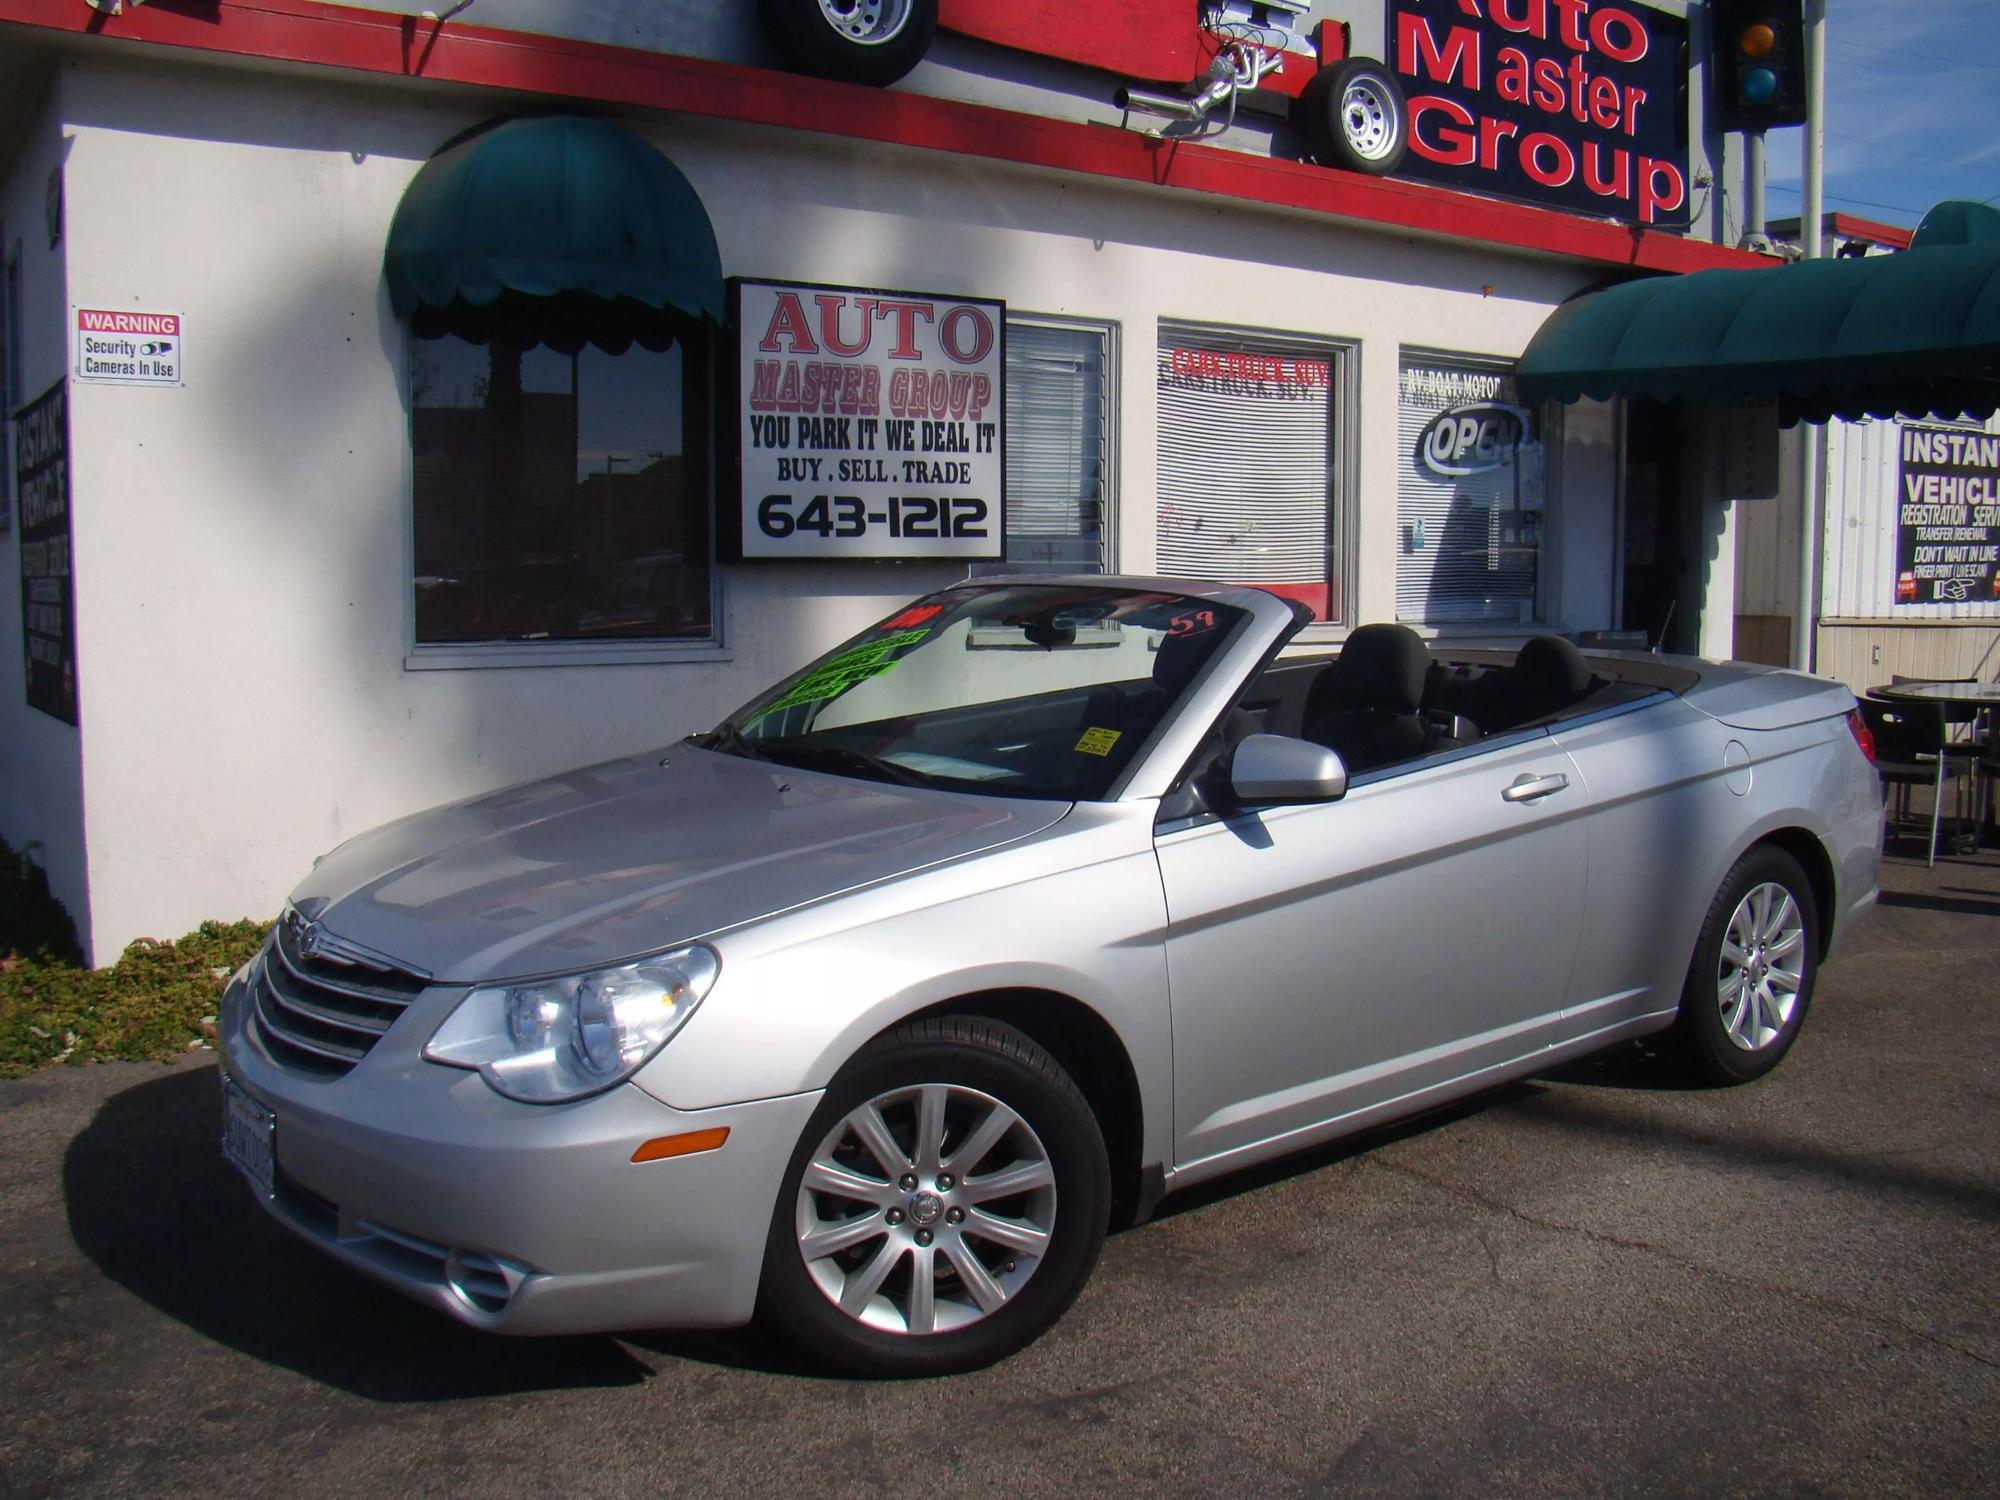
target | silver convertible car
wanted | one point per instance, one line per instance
(872, 1007)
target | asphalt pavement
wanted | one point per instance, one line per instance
(1592, 1283)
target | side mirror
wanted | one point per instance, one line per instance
(1275, 768)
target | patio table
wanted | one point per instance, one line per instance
(1981, 696)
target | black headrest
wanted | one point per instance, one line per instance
(1179, 658)
(1383, 667)
(1555, 668)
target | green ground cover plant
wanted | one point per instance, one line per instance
(156, 1002)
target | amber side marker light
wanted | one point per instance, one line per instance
(666, 1147)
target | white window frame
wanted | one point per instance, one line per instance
(1548, 420)
(1344, 440)
(1111, 333)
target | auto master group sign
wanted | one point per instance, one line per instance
(870, 423)
(1575, 104)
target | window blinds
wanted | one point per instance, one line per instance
(1245, 454)
(1057, 400)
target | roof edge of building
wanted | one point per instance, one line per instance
(386, 44)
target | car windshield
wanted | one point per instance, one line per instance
(1021, 690)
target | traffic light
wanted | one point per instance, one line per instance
(1759, 52)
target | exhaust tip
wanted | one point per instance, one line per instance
(480, 1281)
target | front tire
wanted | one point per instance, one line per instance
(857, 41)
(1751, 979)
(944, 1205)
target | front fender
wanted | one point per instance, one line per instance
(1079, 912)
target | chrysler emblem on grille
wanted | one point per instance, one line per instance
(307, 941)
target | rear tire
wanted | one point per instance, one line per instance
(857, 41)
(1751, 979)
(945, 1204)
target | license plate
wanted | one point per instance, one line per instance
(247, 1133)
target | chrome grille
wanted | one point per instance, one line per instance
(321, 1002)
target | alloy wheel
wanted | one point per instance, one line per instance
(1762, 967)
(926, 1209)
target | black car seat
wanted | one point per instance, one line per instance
(1364, 706)
(1548, 675)
(1117, 706)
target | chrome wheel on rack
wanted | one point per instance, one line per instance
(859, 41)
(1353, 115)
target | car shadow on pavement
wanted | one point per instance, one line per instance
(152, 1203)
(1645, 1065)
(1318, 1158)
(1990, 907)
(757, 1349)
(1902, 1171)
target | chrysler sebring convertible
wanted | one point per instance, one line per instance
(870, 1008)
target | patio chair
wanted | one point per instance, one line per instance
(1961, 720)
(1989, 777)
(1910, 750)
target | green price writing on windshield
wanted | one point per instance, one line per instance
(832, 678)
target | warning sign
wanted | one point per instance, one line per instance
(128, 348)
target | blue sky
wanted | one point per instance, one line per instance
(1913, 110)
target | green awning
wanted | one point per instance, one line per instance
(554, 230)
(1916, 332)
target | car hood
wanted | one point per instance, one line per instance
(632, 856)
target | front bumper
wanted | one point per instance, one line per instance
(518, 1218)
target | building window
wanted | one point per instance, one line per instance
(1059, 436)
(1253, 466)
(559, 497)
(1469, 495)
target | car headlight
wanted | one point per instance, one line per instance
(544, 1041)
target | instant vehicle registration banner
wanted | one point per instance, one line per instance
(870, 424)
(1948, 518)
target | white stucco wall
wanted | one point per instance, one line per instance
(244, 594)
(41, 788)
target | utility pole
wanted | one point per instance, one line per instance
(1812, 490)
(1753, 185)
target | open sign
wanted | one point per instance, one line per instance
(1472, 439)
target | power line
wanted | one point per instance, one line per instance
(1906, 152)
(1911, 60)
(1901, 208)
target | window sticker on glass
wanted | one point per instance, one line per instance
(848, 669)
(919, 614)
(1097, 741)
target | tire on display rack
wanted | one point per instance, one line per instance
(857, 41)
(1352, 115)
(1751, 979)
(945, 1203)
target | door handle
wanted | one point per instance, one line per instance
(1528, 787)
